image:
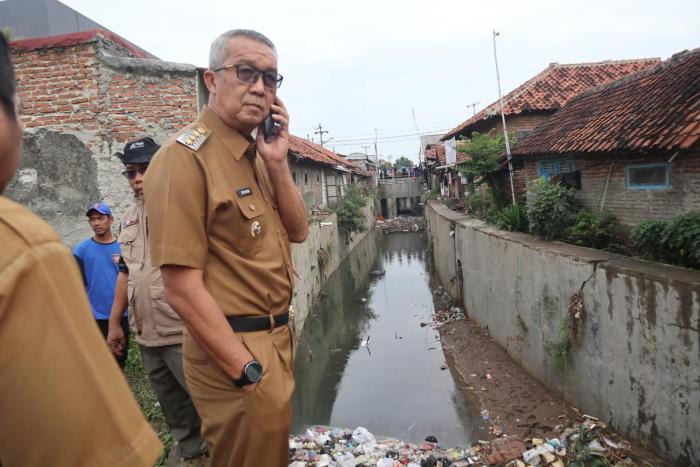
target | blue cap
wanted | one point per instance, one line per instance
(102, 208)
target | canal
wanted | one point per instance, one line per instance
(363, 358)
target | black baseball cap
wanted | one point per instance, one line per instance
(139, 151)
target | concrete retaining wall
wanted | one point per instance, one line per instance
(317, 258)
(635, 362)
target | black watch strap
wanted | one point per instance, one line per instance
(253, 367)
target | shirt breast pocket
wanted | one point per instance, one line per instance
(251, 231)
(126, 242)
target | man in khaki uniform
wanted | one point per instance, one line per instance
(222, 210)
(157, 328)
(63, 400)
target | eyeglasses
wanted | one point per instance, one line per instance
(131, 173)
(250, 75)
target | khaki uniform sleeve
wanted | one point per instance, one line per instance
(64, 400)
(176, 199)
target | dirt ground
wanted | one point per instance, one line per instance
(517, 404)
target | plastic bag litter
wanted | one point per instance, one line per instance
(386, 462)
(361, 435)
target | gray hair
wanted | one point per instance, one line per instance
(219, 48)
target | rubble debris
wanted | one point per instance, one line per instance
(584, 443)
(401, 224)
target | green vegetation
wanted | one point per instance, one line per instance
(433, 194)
(403, 162)
(583, 455)
(9, 33)
(484, 156)
(350, 212)
(559, 351)
(141, 387)
(594, 229)
(675, 242)
(512, 218)
(550, 208)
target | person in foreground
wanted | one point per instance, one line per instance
(222, 211)
(157, 328)
(63, 399)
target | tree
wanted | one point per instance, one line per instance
(403, 162)
(484, 154)
(9, 33)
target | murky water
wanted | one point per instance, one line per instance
(363, 358)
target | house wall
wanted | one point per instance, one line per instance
(633, 206)
(97, 94)
(309, 181)
(635, 362)
(520, 122)
(514, 123)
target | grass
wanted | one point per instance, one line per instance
(559, 351)
(141, 387)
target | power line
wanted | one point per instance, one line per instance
(390, 138)
(388, 134)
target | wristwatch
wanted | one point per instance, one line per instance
(252, 372)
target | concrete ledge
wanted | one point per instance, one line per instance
(145, 66)
(633, 359)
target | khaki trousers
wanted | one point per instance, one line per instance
(245, 429)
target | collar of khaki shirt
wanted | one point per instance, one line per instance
(234, 141)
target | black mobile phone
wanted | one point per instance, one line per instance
(270, 128)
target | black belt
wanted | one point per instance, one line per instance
(257, 323)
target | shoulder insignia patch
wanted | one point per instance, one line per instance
(195, 137)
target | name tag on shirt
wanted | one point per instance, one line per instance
(243, 192)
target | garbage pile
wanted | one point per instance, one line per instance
(401, 224)
(334, 447)
(583, 444)
(443, 317)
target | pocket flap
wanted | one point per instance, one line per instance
(251, 207)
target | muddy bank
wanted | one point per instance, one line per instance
(513, 403)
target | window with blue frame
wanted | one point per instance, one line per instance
(648, 176)
(555, 166)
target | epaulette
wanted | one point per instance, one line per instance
(195, 137)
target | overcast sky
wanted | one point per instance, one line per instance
(360, 65)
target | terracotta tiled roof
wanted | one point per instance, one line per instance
(305, 149)
(437, 153)
(75, 38)
(554, 86)
(658, 109)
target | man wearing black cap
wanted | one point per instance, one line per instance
(157, 328)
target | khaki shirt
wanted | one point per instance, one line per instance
(154, 322)
(63, 400)
(213, 209)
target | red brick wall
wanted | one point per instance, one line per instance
(69, 89)
(104, 101)
(633, 206)
(59, 88)
(141, 104)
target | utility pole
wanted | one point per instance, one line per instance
(365, 148)
(320, 132)
(503, 119)
(375, 143)
(420, 146)
(473, 106)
